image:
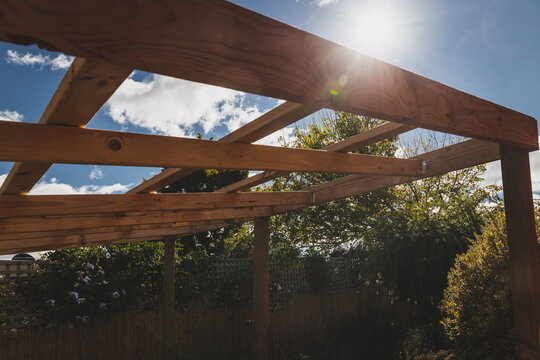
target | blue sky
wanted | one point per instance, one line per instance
(487, 48)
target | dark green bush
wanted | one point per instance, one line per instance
(477, 304)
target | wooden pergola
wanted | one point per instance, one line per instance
(222, 44)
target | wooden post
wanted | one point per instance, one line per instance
(261, 310)
(523, 248)
(169, 327)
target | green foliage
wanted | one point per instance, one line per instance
(94, 281)
(318, 272)
(477, 304)
(328, 225)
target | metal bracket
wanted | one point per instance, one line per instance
(424, 165)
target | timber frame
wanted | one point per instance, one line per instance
(219, 43)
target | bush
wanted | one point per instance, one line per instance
(477, 304)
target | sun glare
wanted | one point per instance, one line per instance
(377, 30)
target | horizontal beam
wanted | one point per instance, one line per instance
(455, 157)
(220, 43)
(40, 205)
(14, 237)
(451, 158)
(12, 246)
(60, 144)
(275, 119)
(353, 143)
(87, 221)
(54, 240)
(90, 80)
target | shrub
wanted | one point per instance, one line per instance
(477, 304)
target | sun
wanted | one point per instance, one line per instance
(377, 29)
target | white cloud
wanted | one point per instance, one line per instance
(96, 173)
(3, 178)
(172, 106)
(10, 115)
(274, 138)
(326, 2)
(53, 187)
(39, 60)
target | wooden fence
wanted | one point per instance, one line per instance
(203, 333)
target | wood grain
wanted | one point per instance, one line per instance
(85, 87)
(31, 142)
(220, 43)
(86, 221)
(39, 205)
(523, 248)
(261, 280)
(353, 143)
(275, 119)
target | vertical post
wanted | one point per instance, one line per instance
(523, 248)
(261, 304)
(169, 327)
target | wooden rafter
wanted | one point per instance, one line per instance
(239, 49)
(353, 143)
(277, 118)
(39, 205)
(31, 142)
(92, 80)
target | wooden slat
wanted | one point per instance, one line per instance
(36, 242)
(275, 119)
(95, 233)
(86, 221)
(353, 143)
(86, 86)
(523, 249)
(32, 142)
(38, 205)
(220, 43)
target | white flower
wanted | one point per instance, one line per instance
(86, 279)
(74, 294)
(81, 300)
(101, 272)
(50, 302)
(89, 266)
(85, 318)
(102, 306)
(115, 295)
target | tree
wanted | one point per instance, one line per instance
(405, 237)
(326, 227)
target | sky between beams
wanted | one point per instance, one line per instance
(489, 48)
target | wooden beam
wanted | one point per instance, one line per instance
(87, 221)
(168, 315)
(38, 205)
(40, 241)
(261, 299)
(50, 232)
(353, 143)
(90, 80)
(31, 142)
(275, 119)
(220, 43)
(523, 247)
(455, 157)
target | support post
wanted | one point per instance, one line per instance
(261, 305)
(522, 242)
(169, 326)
